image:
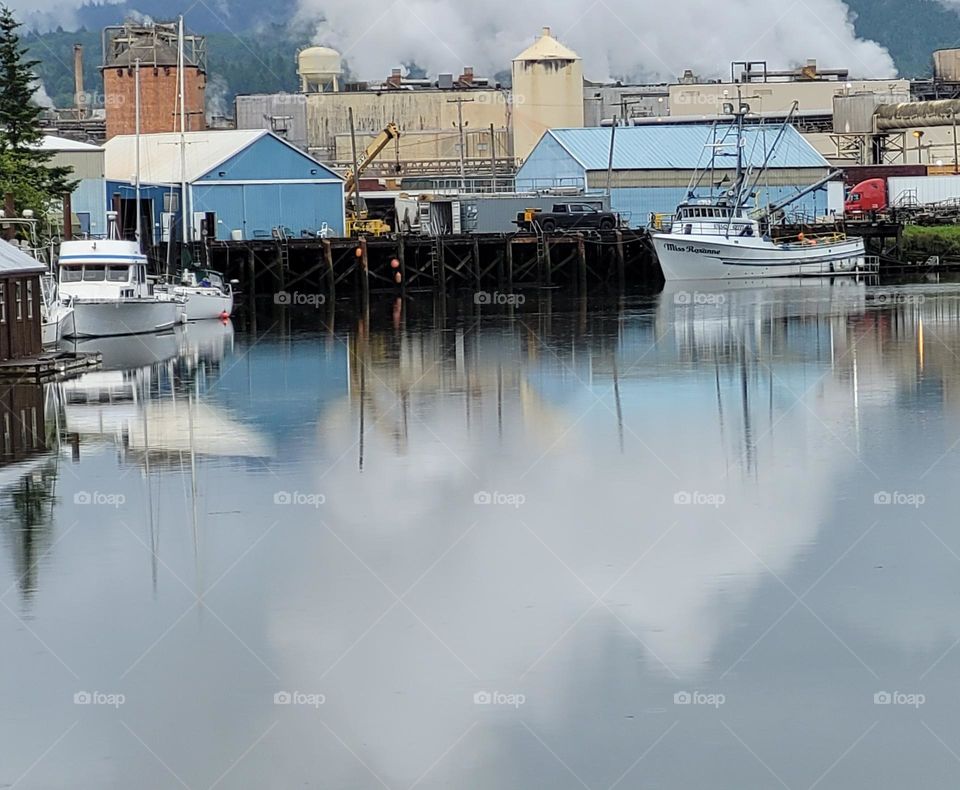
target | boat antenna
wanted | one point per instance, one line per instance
(776, 142)
(697, 178)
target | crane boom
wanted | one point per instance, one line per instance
(390, 132)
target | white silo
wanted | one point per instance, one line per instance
(320, 70)
(547, 92)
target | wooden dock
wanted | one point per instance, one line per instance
(46, 366)
(578, 263)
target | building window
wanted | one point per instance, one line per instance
(29, 300)
(7, 436)
(18, 298)
(35, 436)
(3, 303)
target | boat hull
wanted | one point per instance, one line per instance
(702, 257)
(58, 325)
(110, 317)
(202, 306)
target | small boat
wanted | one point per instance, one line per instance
(56, 314)
(720, 237)
(207, 294)
(106, 283)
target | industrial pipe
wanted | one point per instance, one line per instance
(911, 115)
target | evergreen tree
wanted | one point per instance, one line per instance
(25, 168)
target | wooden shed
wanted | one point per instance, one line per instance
(20, 336)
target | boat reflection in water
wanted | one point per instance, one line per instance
(600, 510)
(148, 397)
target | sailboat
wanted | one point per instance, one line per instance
(206, 293)
(106, 279)
(719, 236)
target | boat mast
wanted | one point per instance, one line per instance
(136, 175)
(184, 208)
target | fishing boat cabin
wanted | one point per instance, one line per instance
(20, 335)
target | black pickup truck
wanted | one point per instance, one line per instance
(568, 216)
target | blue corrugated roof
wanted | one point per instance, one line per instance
(675, 147)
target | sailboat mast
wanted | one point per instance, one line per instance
(184, 207)
(136, 175)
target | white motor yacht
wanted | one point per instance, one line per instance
(106, 283)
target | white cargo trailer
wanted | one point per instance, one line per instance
(923, 190)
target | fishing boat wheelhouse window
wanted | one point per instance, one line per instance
(71, 274)
(118, 274)
(94, 274)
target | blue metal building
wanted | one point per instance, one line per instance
(242, 183)
(653, 166)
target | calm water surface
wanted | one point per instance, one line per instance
(706, 538)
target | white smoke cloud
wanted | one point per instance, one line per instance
(40, 96)
(616, 38)
(217, 96)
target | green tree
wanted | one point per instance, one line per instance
(26, 171)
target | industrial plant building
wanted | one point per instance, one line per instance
(241, 184)
(499, 125)
(653, 167)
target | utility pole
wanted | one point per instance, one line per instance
(463, 139)
(493, 158)
(356, 169)
(613, 142)
(956, 146)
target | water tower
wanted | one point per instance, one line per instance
(155, 47)
(547, 92)
(319, 69)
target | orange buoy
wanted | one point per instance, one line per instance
(395, 263)
(224, 316)
(359, 252)
(398, 278)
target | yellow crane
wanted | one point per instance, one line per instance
(357, 219)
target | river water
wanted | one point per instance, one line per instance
(702, 538)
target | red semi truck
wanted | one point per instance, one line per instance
(878, 195)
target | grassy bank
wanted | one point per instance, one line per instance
(942, 240)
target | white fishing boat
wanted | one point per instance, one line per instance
(106, 283)
(720, 236)
(206, 293)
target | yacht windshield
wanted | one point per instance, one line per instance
(71, 275)
(118, 274)
(94, 274)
